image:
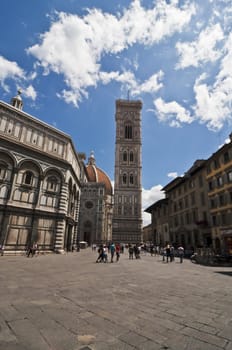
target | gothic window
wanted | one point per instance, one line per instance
(136, 210)
(128, 132)
(131, 179)
(52, 184)
(2, 171)
(125, 156)
(119, 209)
(131, 156)
(124, 179)
(28, 177)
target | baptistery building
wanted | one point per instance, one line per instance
(46, 190)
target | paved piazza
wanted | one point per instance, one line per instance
(68, 302)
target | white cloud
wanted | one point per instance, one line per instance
(125, 78)
(30, 92)
(172, 112)
(153, 84)
(9, 70)
(151, 26)
(173, 175)
(214, 102)
(201, 50)
(148, 198)
(74, 46)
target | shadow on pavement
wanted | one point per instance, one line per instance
(227, 273)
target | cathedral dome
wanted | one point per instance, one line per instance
(95, 174)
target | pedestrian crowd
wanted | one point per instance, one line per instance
(111, 252)
(169, 253)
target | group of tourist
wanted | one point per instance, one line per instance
(109, 252)
(169, 253)
(112, 249)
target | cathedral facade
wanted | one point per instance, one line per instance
(95, 225)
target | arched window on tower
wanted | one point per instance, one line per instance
(128, 132)
(131, 156)
(131, 179)
(124, 179)
(125, 156)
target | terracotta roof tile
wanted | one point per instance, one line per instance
(97, 175)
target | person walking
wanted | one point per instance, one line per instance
(105, 255)
(152, 249)
(117, 250)
(30, 251)
(168, 252)
(34, 249)
(100, 254)
(172, 253)
(112, 251)
(181, 253)
(131, 252)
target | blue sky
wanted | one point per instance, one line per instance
(73, 59)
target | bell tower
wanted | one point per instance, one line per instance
(127, 214)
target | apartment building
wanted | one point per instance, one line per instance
(189, 221)
(199, 205)
(183, 217)
(160, 222)
(219, 179)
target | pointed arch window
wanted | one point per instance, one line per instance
(125, 156)
(128, 132)
(131, 179)
(28, 178)
(124, 179)
(131, 156)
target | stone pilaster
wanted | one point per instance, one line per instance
(61, 223)
(63, 199)
(76, 218)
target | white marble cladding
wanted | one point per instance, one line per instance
(27, 133)
(21, 127)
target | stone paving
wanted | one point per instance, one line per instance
(68, 302)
